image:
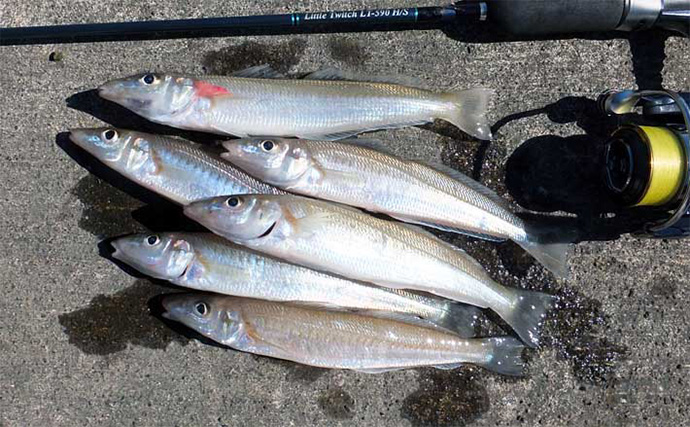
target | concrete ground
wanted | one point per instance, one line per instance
(78, 342)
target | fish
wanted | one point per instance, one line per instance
(175, 169)
(206, 262)
(327, 104)
(336, 340)
(350, 243)
(361, 173)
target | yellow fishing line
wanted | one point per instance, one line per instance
(667, 161)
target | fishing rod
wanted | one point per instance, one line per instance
(517, 17)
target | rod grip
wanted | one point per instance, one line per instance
(542, 17)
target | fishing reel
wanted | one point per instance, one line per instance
(647, 164)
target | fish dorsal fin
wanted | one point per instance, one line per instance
(474, 185)
(337, 74)
(368, 143)
(264, 71)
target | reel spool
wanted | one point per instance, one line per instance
(649, 166)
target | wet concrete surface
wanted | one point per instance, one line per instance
(81, 339)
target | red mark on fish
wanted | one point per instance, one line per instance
(208, 90)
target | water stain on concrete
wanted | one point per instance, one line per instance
(112, 322)
(663, 289)
(576, 327)
(281, 56)
(576, 330)
(347, 50)
(337, 404)
(107, 210)
(446, 398)
(295, 371)
(305, 374)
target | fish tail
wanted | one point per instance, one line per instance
(550, 246)
(526, 312)
(505, 356)
(553, 256)
(460, 319)
(469, 111)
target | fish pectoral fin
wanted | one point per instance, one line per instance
(252, 341)
(457, 230)
(332, 73)
(264, 71)
(309, 226)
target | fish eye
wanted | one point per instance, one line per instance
(153, 240)
(201, 308)
(148, 79)
(233, 202)
(267, 145)
(110, 135)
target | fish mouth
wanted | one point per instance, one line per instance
(106, 90)
(268, 231)
(166, 310)
(166, 305)
(234, 154)
(77, 136)
(185, 271)
(117, 253)
(194, 211)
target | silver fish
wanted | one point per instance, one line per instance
(350, 243)
(354, 173)
(335, 339)
(175, 169)
(206, 262)
(320, 106)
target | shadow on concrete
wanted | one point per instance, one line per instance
(120, 117)
(110, 199)
(551, 173)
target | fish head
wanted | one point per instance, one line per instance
(128, 152)
(210, 315)
(151, 95)
(277, 161)
(163, 256)
(239, 218)
(106, 144)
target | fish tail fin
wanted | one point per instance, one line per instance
(469, 111)
(550, 246)
(460, 319)
(505, 356)
(526, 313)
(553, 256)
